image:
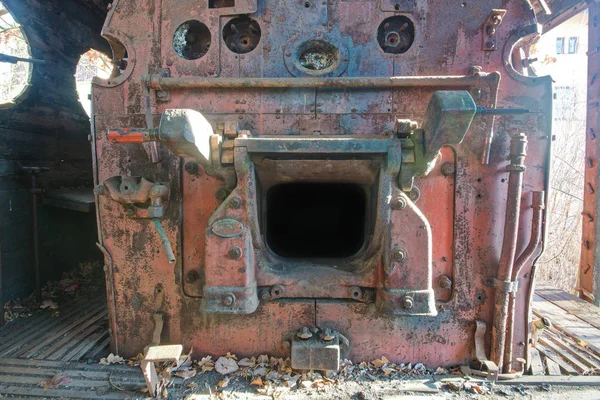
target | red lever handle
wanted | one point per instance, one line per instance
(130, 135)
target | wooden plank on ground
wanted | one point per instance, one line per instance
(86, 343)
(100, 350)
(62, 393)
(578, 353)
(63, 365)
(565, 355)
(68, 341)
(568, 323)
(68, 328)
(43, 373)
(530, 380)
(36, 334)
(570, 303)
(550, 354)
(536, 367)
(552, 368)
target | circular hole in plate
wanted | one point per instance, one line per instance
(191, 40)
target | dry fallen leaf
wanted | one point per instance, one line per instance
(48, 304)
(226, 365)
(263, 359)
(55, 381)
(112, 359)
(186, 373)
(223, 383)
(387, 370)
(247, 362)
(380, 362)
(257, 382)
(231, 356)
(206, 363)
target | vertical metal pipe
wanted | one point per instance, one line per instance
(518, 151)
(532, 248)
(36, 238)
(154, 155)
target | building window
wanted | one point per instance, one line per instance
(15, 75)
(560, 45)
(572, 45)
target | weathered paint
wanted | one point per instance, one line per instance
(462, 214)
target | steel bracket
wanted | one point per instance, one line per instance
(481, 364)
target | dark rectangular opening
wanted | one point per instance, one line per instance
(221, 3)
(316, 220)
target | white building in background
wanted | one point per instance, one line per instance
(561, 53)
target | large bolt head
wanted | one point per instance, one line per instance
(235, 252)
(445, 282)
(235, 202)
(228, 299)
(398, 203)
(276, 291)
(192, 276)
(447, 169)
(407, 302)
(304, 333)
(191, 167)
(399, 254)
(264, 294)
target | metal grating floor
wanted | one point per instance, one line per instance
(78, 332)
(45, 346)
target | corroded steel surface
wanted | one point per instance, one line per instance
(416, 292)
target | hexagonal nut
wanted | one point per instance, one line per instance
(304, 333)
(398, 254)
(398, 203)
(404, 127)
(445, 282)
(408, 302)
(264, 294)
(327, 335)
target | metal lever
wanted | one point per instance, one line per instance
(185, 132)
(13, 60)
(165, 240)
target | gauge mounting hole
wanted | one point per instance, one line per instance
(396, 34)
(241, 35)
(191, 40)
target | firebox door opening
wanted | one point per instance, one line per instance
(316, 220)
